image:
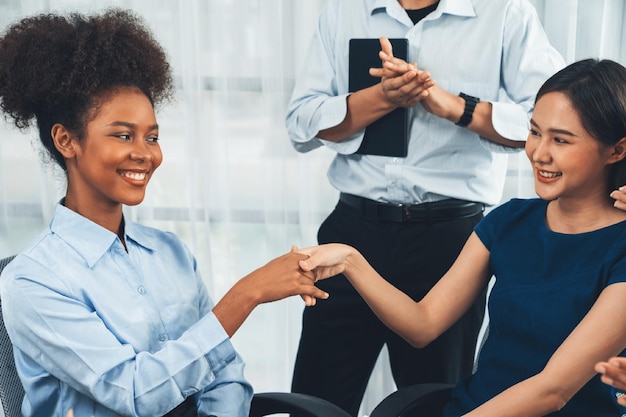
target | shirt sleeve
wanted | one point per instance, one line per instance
(617, 271)
(229, 394)
(316, 104)
(528, 60)
(55, 330)
(486, 228)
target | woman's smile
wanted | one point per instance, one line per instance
(135, 176)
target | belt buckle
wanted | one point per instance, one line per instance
(406, 212)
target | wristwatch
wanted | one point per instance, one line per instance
(470, 105)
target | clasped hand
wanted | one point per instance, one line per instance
(325, 261)
(295, 273)
(404, 84)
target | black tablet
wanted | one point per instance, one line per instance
(387, 136)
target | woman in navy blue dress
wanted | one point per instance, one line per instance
(557, 304)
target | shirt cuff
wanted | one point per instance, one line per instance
(214, 342)
(510, 121)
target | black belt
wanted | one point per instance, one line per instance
(439, 210)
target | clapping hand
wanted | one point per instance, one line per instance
(403, 84)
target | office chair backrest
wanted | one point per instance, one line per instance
(11, 389)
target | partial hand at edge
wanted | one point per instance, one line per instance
(614, 373)
(620, 197)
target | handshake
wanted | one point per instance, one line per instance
(296, 272)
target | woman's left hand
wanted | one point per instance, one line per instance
(614, 373)
(619, 196)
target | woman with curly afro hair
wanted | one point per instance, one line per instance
(109, 317)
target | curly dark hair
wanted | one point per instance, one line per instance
(54, 69)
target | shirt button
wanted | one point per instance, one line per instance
(162, 337)
(394, 183)
(141, 290)
(396, 160)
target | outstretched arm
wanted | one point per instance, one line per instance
(417, 322)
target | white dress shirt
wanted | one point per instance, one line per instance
(496, 50)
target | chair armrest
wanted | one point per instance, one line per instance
(429, 399)
(268, 403)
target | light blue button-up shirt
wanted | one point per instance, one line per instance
(496, 50)
(108, 332)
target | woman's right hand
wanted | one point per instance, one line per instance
(327, 260)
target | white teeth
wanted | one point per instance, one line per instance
(546, 174)
(134, 175)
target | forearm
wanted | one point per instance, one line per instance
(363, 108)
(394, 308)
(235, 306)
(529, 398)
(481, 122)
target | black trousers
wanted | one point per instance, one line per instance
(341, 337)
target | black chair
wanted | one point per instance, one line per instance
(11, 390)
(428, 398)
(421, 400)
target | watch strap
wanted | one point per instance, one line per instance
(468, 111)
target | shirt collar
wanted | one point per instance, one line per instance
(89, 239)
(457, 7)
(453, 7)
(140, 235)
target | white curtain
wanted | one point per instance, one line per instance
(231, 185)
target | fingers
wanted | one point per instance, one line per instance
(616, 371)
(385, 46)
(613, 372)
(391, 66)
(310, 293)
(306, 265)
(311, 265)
(407, 90)
(396, 65)
(308, 300)
(620, 198)
(404, 85)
